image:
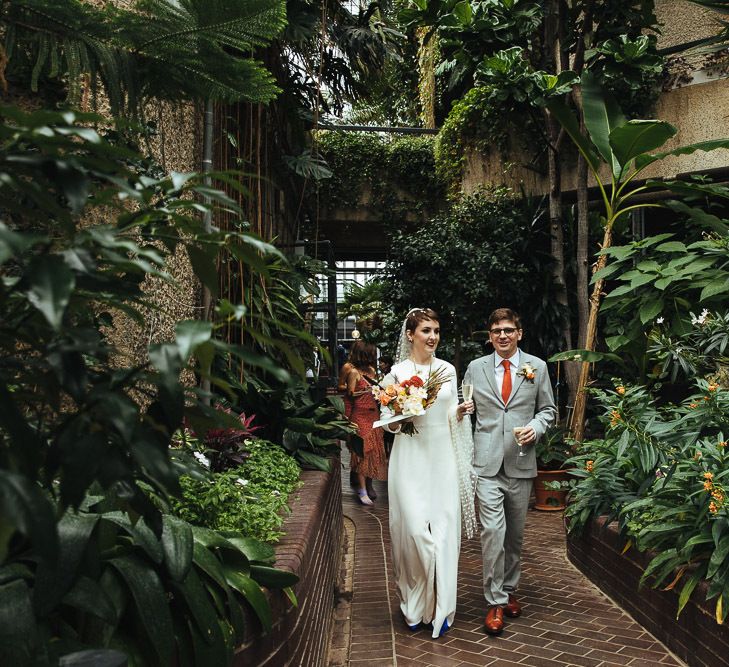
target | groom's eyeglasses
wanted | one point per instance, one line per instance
(509, 331)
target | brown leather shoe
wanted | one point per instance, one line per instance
(494, 623)
(512, 609)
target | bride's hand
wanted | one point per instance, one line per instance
(465, 408)
(395, 428)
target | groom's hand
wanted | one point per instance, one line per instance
(528, 435)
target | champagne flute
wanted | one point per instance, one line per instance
(467, 390)
(518, 430)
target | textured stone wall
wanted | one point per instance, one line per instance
(683, 22)
(177, 146)
(311, 548)
(695, 637)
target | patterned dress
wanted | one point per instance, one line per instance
(363, 411)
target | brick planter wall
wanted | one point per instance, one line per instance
(695, 637)
(311, 549)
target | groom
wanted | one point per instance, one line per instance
(510, 389)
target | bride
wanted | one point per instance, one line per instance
(430, 485)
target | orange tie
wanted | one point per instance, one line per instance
(506, 385)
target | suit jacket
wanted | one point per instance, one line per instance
(531, 404)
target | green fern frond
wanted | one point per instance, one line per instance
(55, 60)
(190, 49)
(39, 62)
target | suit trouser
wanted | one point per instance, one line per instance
(502, 506)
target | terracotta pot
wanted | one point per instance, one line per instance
(546, 499)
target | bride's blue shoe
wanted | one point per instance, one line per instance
(413, 627)
(444, 628)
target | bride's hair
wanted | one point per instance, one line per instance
(412, 319)
(418, 315)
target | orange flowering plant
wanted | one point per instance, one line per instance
(661, 470)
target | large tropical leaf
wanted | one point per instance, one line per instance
(201, 609)
(89, 597)
(706, 146)
(24, 506)
(271, 577)
(177, 546)
(692, 188)
(140, 532)
(721, 6)
(254, 550)
(590, 356)
(252, 592)
(209, 564)
(700, 217)
(152, 605)
(602, 115)
(191, 333)
(18, 630)
(51, 283)
(54, 579)
(637, 137)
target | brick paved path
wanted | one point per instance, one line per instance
(566, 620)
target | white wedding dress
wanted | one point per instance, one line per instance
(425, 509)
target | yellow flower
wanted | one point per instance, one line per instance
(620, 390)
(713, 507)
(615, 418)
(708, 485)
(708, 475)
(713, 386)
(693, 406)
(716, 494)
(722, 443)
(589, 466)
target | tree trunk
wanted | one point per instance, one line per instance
(584, 311)
(553, 53)
(578, 415)
(556, 233)
(582, 256)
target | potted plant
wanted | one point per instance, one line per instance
(552, 481)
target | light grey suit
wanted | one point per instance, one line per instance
(504, 478)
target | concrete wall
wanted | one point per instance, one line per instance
(684, 22)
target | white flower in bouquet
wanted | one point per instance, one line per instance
(413, 405)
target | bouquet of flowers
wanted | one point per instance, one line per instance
(409, 398)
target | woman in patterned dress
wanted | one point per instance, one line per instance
(363, 410)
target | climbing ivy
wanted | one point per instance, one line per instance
(478, 122)
(394, 176)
